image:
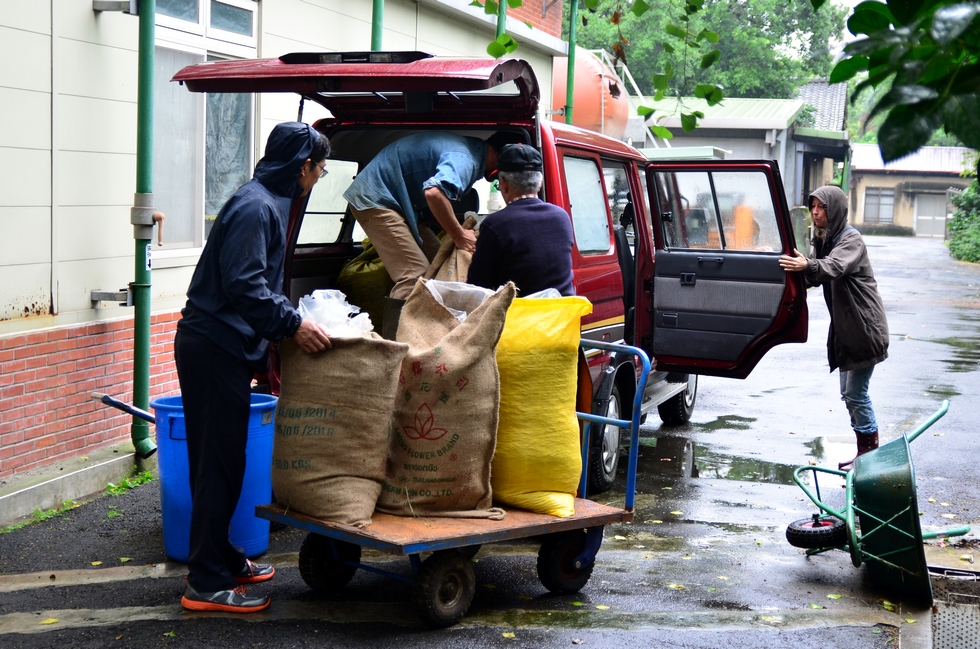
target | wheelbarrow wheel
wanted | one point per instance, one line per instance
(807, 533)
(444, 588)
(320, 569)
(556, 563)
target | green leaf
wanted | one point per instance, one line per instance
(514, 4)
(668, 47)
(592, 4)
(703, 90)
(476, 3)
(912, 94)
(491, 7)
(847, 68)
(495, 49)
(688, 122)
(962, 116)
(675, 31)
(905, 130)
(949, 22)
(868, 18)
(639, 7)
(716, 96)
(662, 132)
(529, 24)
(644, 111)
(660, 81)
(817, 3)
(710, 59)
(708, 35)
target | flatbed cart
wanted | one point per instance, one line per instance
(444, 583)
(879, 523)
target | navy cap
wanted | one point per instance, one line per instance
(519, 157)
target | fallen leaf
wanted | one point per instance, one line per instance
(639, 547)
(723, 577)
(772, 619)
(966, 557)
(875, 631)
(96, 563)
(50, 620)
(647, 556)
(654, 522)
(170, 634)
(910, 620)
(619, 538)
(576, 603)
(508, 634)
(888, 606)
(119, 637)
(524, 597)
(932, 500)
(833, 596)
(944, 504)
(686, 558)
(711, 589)
(815, 606)
(666, 488)
(948, 515)
(676, 586)
(577, 641)
(124, 559)
(677, 512)
(602, 607)
(85, 457)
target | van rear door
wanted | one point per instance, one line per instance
(719, 299)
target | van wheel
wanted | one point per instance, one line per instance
(679, 408)
(604, 458)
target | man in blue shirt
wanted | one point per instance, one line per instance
(410, 180)
(529, 242)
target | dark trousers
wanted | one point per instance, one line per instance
(215, 390)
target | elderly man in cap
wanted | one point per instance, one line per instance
(528, 242)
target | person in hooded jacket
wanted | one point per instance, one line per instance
(858, 336)
(235, 306)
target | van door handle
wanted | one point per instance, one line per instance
(688, 279)
(713, 260)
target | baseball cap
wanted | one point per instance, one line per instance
(519, 157)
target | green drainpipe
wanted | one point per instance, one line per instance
(570, 78)
(141, 216)
(501, 18)
(377, 24)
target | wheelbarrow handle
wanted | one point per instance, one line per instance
(956, 531)
(125, 407)
(930, 421)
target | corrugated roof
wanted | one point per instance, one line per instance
(730, 113)
(944, 159)
(830, 102)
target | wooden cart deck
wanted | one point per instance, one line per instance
(403, 535)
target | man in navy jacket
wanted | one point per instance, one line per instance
(235, 306)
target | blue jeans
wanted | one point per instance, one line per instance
(854, 393)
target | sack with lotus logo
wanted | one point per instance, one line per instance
(333, 421)
(445, 421)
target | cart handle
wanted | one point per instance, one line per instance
(816, 499)
(929, 422)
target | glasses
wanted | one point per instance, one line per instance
(323, 169)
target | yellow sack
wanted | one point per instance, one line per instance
(538, 461)
(366, 282)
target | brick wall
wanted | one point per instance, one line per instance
(46, 378)
(531, 10)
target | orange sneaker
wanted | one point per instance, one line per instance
(227, 601)
(253, 573)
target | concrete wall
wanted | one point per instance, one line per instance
(906, 187)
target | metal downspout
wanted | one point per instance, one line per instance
(501, 18)
(570, 78)
(377, 24)
(141, 216)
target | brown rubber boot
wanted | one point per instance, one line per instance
(865, 443)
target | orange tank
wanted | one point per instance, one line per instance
(600, 99)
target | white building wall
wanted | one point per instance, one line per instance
(68, 138)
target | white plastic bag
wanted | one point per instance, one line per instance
(459, 298)
(330, 309)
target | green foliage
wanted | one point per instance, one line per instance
(39, 515)
(765, 48)
(964, 229)
(113, 512)
(925, 55)
(137, 479)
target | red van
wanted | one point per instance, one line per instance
(678, 258)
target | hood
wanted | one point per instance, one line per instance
(836, 202)
(288, 147)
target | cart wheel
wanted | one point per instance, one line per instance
(678, 409)
(604, 458)
(444, 588)
(809, 533)
(556, 568)
(318, 567)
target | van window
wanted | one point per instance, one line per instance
(617, 190)
(587, 204)
(325, 210)
(729, 210)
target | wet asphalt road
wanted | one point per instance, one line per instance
(704, 564)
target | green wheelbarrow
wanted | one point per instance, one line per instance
(879, 523)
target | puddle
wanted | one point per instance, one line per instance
(730, 467)
(728, 422)
(679, 457)
(943, 390)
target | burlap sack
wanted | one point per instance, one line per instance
(450, 263)
(333, 424)
(366, 282)
(445, 421)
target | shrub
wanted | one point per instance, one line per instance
(964, 229)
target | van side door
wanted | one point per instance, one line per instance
(720, 299)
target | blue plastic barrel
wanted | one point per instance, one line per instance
(247, 531)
